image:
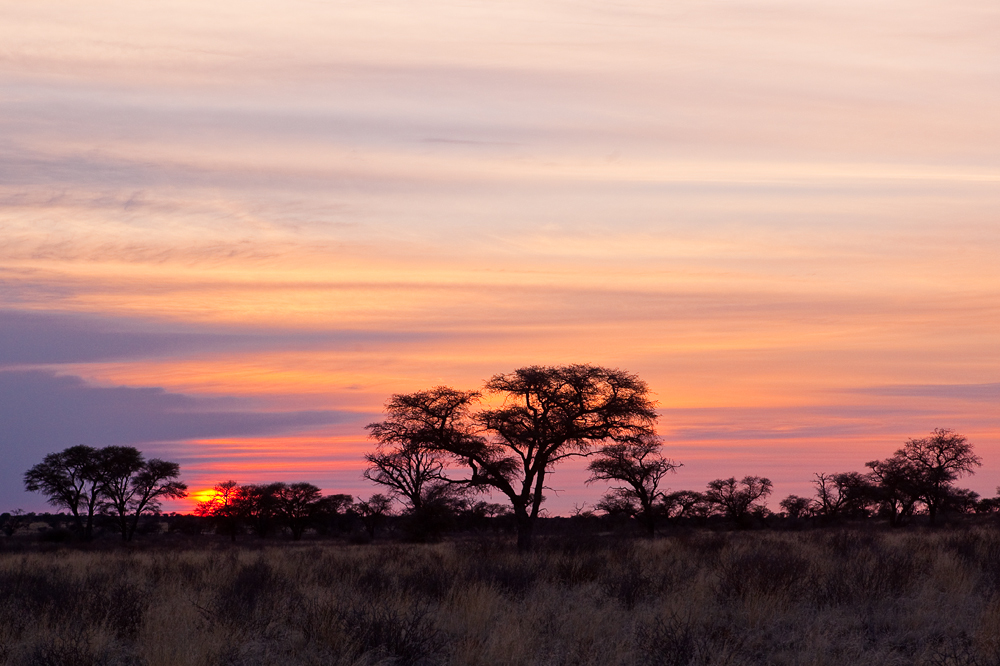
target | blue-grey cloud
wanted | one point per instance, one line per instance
(984, 392)
(28, 338)
(41, 412)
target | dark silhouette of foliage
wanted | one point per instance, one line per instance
(11, 523)
(640, 467)
(843, 494)
(939, 460)
(896, 490)
(134, 486)
(797, 507)
(265, 505)
(409, 471)
(550, 414)
(114, 479)
(547, 414)
(298, 504)
(373, 512)
(739, 500)
(257, 504)
(684, 504)
(223, 508)
(924, 471)
(72, 479)
(416, 475)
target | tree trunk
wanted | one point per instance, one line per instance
(649, 522)
(525, 526)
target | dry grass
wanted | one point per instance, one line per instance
(822, 597)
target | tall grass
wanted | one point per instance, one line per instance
(821, 597)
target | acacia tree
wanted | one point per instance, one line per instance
(257, 503)
(681, 504)
(373, 512)
(640, 466)
(410, 471)
(223, 507)
(895, 480)
(297, 504)
(797, 507)
(933, 464)
(133, 486)
(72, 479)
(837, 494)
(546, 414)
(738, 500)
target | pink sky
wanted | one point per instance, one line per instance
(228, 232)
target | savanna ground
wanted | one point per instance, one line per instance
(824, 596)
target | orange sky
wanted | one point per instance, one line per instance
(784, 217)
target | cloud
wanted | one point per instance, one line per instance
(42, 412)
(977, 392)
(50, 338)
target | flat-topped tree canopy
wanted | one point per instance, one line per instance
(545, 414)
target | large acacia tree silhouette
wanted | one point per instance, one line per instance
(543, 414)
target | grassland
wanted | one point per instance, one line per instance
(830, 596)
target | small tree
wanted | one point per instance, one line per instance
(640, 467)
(683, 504)
(257, 504)
(223, 507)
(797, 507)
(297, 505)
(133, 486)
(408, 470)
(373, 512)
(924, 471)
(71, 479)
(896, 488)
(841, 494)
(738, 500)
(11, 523)
(939, 460)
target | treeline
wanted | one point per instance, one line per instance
(540, 415)
(439, 452)
(267, 509)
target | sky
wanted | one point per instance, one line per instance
(229, 231)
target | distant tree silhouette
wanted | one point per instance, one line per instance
(639, 466)
(684, 504)
(223, 507)
(739, 500)
(71, 479)
(373, 512)
(924, 471)
(133, 486)
(333, 511)
(962, 500)
(257, 504)
(939, 459)
(11, 523)
(797, 507)
(989, 504)
(298, 504)
(846, 493)
(546, 414)
(896, 488)
(404, 468)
